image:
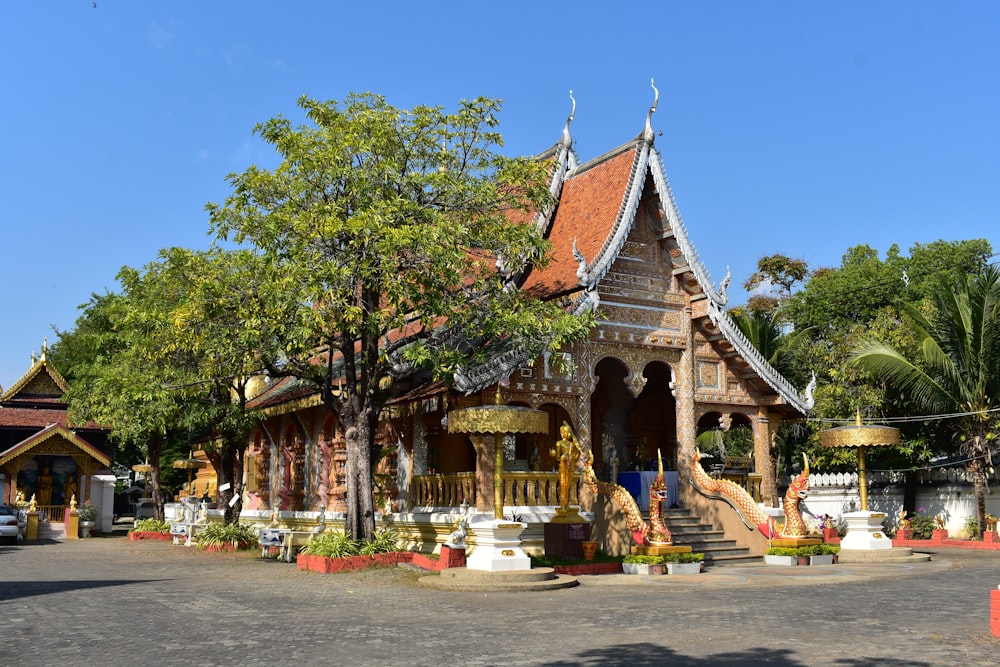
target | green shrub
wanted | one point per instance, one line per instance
(922, 527)
(782, 551)
(330, 544)
(810, 550)
(237, 535)
(385, 540)
(150, 526)
(684, 557)
(643, 559)
(336, 544)
(972, 528)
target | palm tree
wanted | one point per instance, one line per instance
(956, 369)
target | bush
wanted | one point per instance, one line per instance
(237, 535)
(336, 544)
(150, 526)
(972, 528)
(330, 544)
(811, 550)
(643, 559)
(922, 527)
(684, 557)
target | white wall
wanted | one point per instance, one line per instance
(943, 491)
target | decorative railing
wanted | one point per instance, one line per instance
(519, 488)
(885, 477)
(51, 513)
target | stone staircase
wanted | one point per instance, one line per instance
(51, 531)
(687, 529)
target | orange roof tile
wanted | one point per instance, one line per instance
(588, 207)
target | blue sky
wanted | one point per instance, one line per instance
(797, 127)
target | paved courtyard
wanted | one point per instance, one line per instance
(107, 601)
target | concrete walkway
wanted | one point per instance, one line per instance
(107, 601)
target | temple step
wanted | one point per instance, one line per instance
(688, 530)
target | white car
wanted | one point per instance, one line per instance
(12, 523)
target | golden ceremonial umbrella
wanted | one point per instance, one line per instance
(499, 420)
(861, 436)
(190, 464)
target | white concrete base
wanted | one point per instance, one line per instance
(498, 547)
(864, 531)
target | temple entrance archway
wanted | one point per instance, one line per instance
(653, 419)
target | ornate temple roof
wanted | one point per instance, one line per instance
(53, 431)
(597, 205)
(42, 384)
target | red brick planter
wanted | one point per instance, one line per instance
(330, 565)
(135, 536)
(995, 612)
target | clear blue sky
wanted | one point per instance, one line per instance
(797, 127)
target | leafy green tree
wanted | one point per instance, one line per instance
(198, 301)
(957, 368)
(771, 284)
(114, 382)
(391, 245)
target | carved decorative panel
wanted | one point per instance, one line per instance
(708, 374)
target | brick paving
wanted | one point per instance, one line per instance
(107, 601)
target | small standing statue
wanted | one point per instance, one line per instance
(202, 512)
(457, 538)
(567, 450)
(274, 517)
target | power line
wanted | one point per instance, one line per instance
(903, 420)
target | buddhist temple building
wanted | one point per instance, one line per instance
(43, 455)
(664, 361)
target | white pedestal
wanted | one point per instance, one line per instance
(864, 531)
(498, 547)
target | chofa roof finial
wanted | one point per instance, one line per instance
(566, 138)
(647, 134)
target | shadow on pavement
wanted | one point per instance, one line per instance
(13, 590)
(651, 654)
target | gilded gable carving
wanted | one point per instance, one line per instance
(42, 385)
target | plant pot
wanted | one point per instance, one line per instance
(589, 550)
(785, 561)
(684, 568)
(821, 560)
(656, 569)
(86, 527)
(637, 568)
(802, 560)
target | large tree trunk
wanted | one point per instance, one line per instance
(359, 435)
(231, 473)
(979, 486)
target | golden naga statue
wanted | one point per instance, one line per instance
(747, 507)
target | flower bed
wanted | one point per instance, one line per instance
(137, 535)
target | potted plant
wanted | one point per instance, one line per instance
(87, 516)
(640, 563)
(823, 554)
(781, 556)
(684, 562)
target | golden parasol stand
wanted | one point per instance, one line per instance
(190, 464)
(144, 469)
(860, 436)
(498, 420)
